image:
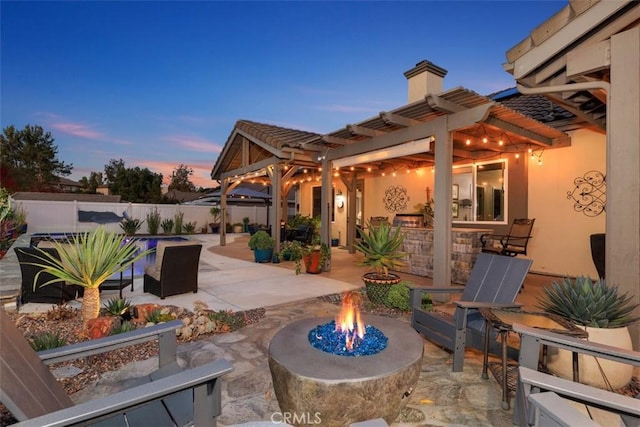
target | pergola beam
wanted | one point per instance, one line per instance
(441, 104)
(335, 140)
(397, 119)
(364, 131)
(506, 126)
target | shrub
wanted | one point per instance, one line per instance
(190, 227)
(398, 296)
(130, 226)
(167, 225)
(234, 320)
(125, 326)
(178, 220)
(261, 240)
(153, 221)
(61, 312)
(47, 341)
(157, 316)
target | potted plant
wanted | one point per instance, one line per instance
(245, 224)
(238, 227)
(380, 246)
(90, 260)
(262, 246)
(215, 224)
(291, 250)
(426, 210)
(314, 256)
(605, 315)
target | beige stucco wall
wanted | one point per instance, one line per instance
(414, 182)
(560, 243)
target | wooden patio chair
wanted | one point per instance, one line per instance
(531, 381)
(175, 270)
(512, 244)
(166, 397)
(494, 282)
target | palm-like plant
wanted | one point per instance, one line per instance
(380, 246)
(88, 261)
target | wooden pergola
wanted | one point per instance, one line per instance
(434, 131)
(587, 59)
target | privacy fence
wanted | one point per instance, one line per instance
(53, 216)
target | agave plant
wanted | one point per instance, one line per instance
(589, 303)
(88, 261)
(380, 246)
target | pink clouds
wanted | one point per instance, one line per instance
(79, 130)
(195, 144)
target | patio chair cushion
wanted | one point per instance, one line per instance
(153, 270)
(47, 244)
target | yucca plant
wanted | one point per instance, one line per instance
(589, 303)
(88, 261)
(380, 245)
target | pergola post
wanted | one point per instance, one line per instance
(442, 210)
(326, 204)
(273, 171)
(350, 183)
(622, 258)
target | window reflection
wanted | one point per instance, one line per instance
(481, 192)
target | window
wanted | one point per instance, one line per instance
(481, 192)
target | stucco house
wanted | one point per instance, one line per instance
(564, 148)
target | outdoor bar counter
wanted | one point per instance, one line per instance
(418, 244)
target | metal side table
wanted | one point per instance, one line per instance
(118, 284)
(502, 320)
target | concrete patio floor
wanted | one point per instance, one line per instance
(228, 279)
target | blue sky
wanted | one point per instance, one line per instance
(160, 84)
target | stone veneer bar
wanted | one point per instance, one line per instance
(418, 244)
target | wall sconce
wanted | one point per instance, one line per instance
(339, 200)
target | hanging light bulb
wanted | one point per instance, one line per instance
(485, 140)
(468, 141)
(369, 169)
(517, 155)
(500, 142)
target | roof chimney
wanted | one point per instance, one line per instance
(425, 78)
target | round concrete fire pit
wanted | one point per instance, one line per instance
(312, 385)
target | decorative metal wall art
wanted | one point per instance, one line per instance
(589, 194)
(395, 198)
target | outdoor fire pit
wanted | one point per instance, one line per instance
(316, 386)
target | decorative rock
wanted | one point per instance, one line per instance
(101, 326)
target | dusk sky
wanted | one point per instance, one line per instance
(158, 84)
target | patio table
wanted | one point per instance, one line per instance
(502, 321)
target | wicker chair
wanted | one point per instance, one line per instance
(175, 270)
(32, 290)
